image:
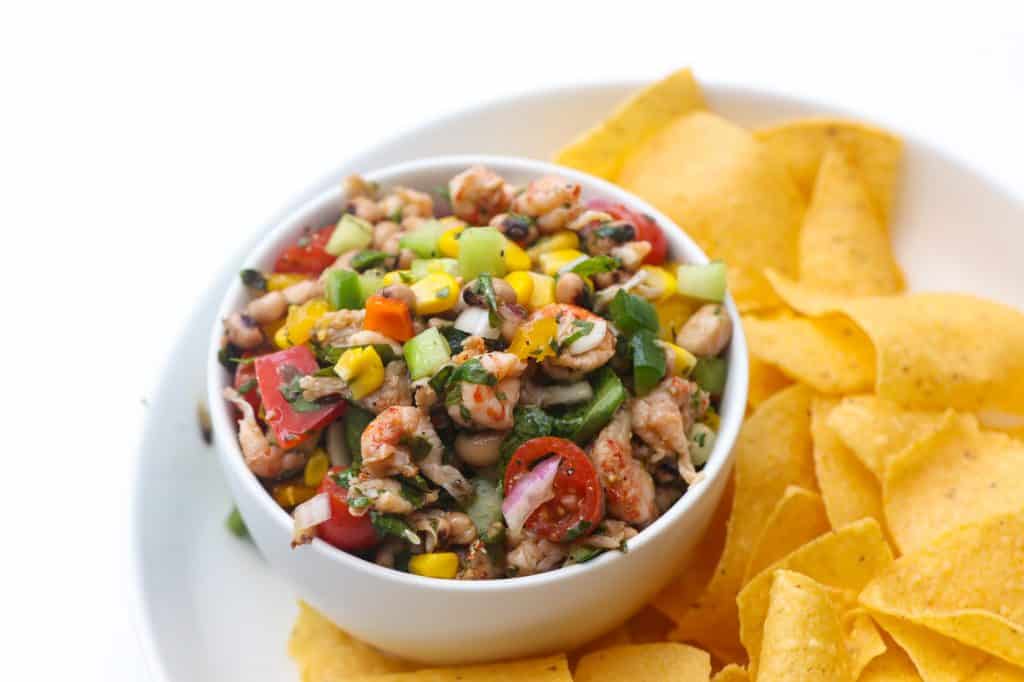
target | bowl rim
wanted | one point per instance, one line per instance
(681, 246)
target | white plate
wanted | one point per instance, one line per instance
(209, 608)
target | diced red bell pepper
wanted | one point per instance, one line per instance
(277, 371)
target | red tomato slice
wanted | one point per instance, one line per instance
(343, 530)
(646, 229)
(308, 254)
(276, 371)
(245, 378)
(578, 505)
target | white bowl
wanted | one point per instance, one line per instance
(450, 621)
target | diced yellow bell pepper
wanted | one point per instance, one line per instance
(712, 419)
(448, 244)
(556, 242)
(396, 277)
(522, 283)
(435, 564)
(316, 468)
(543, 290)
(362, 370)
(534, 339)
(282, 280)
(301, 319)
(292, 494)
(271, 329)
(281, 337)
(659, 284)
(683, 360)
(515, 257)
(435, 293)
(553, 261)
(672, 312)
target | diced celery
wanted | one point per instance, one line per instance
(485, 510)
(704, 282)
(351, 233)
(370, 282)
(480, 250)
(343, 290)
(422, 267)
(710, 374)
(426, 353)
(423, 240)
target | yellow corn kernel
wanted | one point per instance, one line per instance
(712, 419)
(316, 468)
(659, 284)
(522, 283)
(301, 319)
(281, 335)
(282, 280)
(543, 290)
(292, 494)
(396, 277)
(553, 261)
(435, 293)
(362, 370)
(673, 312)
(556, 242)
(435, 564)
(515, 257)
(682, 360)
(533, 339)
(448, 244)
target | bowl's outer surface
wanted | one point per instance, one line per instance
(210, 609)
(482, 620)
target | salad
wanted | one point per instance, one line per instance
(483, 381)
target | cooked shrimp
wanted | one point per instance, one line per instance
(395, 390)
(472, 347)
(441, 529)
(567, 365)
(477, 564)
(534, 556)
(609, 535)
(365, 208)
(404, 202)
(478, 194)
(392, 441)
(551, 200)
(664, 416)
(707, 332)
(632, 254)
(490, 407)
(356, 185)
(384, 494)
(336, 328)
(629, 489)
(262, 457)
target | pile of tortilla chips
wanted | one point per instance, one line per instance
(874, 527)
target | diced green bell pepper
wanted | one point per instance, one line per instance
(710, 374)
(424, 239)
(343, 290)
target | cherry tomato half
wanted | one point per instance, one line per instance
(646, 229)
(343, 530)
(308, 254)
(578, 505)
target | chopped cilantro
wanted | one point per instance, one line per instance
(395, 526)
(597, 265)
(578, 530)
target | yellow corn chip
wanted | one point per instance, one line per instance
(772, 452)
(798, 517)
(829, 354)
(967, 584)
(844, 247)
(803, 640)
(616, 637)
(324, 652)
(933, 350)
(549, 669)
(601, 150)
(892, 666)
(731, 673)
(802, 144)
(936, 658)
(955, 475)
(863, 641)
(650, 624)
(645, 663)
(763, 381)
(849, 489)
(996, 670)
(723, 188)
(844, 560)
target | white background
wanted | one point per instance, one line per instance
(139, 143)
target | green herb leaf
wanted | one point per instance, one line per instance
(418, 446)
(581, 555)
(530, 422)
(454, 337)
(649, 364)
(254, 279)
(631, 313)
(292, 391)
(395, 526)
(578, 530)
(596, 265)
(581, 329)
(364, 260)
(485, 288)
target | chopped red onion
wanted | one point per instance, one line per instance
(530, 492)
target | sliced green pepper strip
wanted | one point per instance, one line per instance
(609, 394)
(648, 361)
(342, 289)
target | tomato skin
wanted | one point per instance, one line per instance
(244, 373)
(576, 476)
(646, 229)
(308, 254)
(272, 371)
(343, 530)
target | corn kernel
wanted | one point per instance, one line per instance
(301, 319)
(282, 280)
(659, 284)
(396, 277)
(435, 293)
(553, 261)
(435, 564)
(281, 336)
(522, 283)
(672, 312)
(316, 468)
(362, 370)
(543, 290)
(292, 494)
(682, 360)
(515, 257)
(448, 244)
(556, 242)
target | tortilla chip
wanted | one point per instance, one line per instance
(798, 517)
(602, 150)
(802, 144)
(863, 641)
(997, 671)
(728, 193)
(892, 666)
(324, 652)
(645, 663)
(849, 489)
(731, 673)
(844, 560)
(616, 637)
(803, 640)
(937, 658)
(773, 451)
(967, 584)
(956, 475)
(548, 669)
(933, 350)
(763, 381)
(844, 247)
(650, 624)
(829, 354)
(875, 429)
